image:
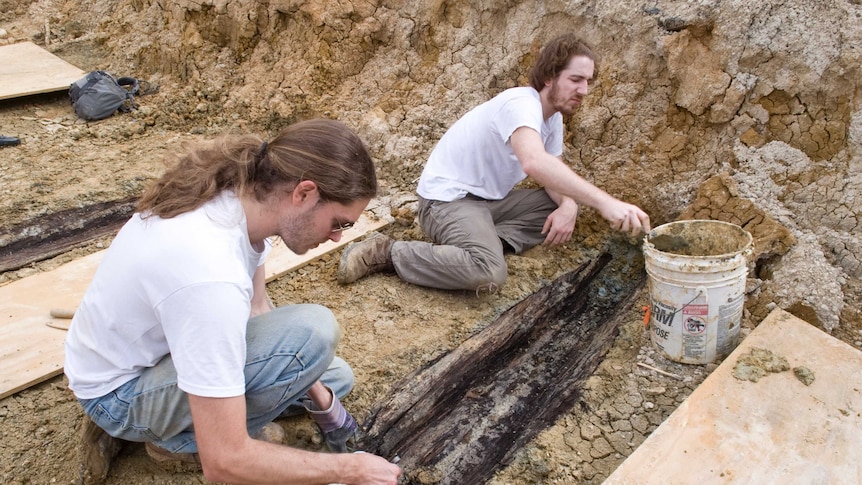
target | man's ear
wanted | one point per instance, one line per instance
(305, 192)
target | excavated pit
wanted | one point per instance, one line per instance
(700, 111)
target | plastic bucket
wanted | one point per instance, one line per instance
(696, 272)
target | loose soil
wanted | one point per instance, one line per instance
(390, 327)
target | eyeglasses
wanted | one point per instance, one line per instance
(339, 226)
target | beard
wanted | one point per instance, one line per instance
(297, 232)
(560, 103)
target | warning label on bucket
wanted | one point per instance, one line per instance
(682, 333)
(694, 319)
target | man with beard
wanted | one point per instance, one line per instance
(176, 343)
(468, 205)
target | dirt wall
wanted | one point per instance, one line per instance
(741, 111)
(686, 90)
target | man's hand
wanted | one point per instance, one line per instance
(336, 424)
(229, 455)
(376, 470)
(625, 217)
(560, 224)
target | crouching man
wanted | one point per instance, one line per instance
(176, 342)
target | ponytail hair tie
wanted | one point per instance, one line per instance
(261, 153)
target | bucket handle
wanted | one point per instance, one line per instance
(701, 290)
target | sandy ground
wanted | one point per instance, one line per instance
(390, 328)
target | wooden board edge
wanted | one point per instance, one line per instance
(38, 380)
(33, 93)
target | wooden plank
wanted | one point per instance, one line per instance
(775, 430)
(27, 69)
(31, 351)
(465, 416)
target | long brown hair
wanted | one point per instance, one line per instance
(324, 151)
(555, 56)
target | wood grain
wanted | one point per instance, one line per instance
(462, 418)
(27, 69)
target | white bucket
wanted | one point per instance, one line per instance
(696, 276)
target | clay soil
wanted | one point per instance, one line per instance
(390, 327)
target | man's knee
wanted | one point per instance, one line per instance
(490, 279)
(316, 322)
(321, 323)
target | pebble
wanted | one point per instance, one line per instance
(653, 391)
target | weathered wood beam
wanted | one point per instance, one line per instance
(52, 234)
(462, 418)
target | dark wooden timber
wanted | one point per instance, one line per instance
(52, 234)
(462, 418)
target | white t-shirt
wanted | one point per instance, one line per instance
(475, 155)
(181, 286)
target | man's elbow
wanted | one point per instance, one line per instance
(215, 473)
(220, 469)
(530, 166)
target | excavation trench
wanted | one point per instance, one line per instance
(462, 417)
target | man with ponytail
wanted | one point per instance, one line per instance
(176, 343)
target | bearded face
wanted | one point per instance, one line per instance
(566, 91)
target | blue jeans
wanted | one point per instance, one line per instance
(288, 350)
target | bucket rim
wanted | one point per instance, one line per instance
(745, 250)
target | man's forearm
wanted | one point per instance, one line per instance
(229, 455)
(557, 178)
(560, 199)
(561, 182)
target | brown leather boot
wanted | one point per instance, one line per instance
(361, 259)
(174, 462)
(96, 450)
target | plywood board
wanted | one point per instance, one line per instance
(31, 341)
(27, 69)
(775, 430)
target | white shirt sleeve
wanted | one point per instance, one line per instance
(515, 113)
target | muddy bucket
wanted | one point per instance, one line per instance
(696, 273)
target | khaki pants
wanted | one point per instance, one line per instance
(468, 235)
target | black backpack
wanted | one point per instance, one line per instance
(98, 95)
